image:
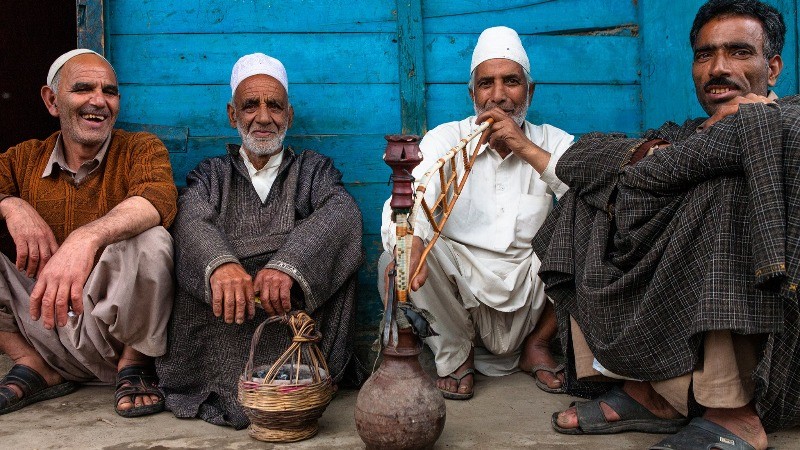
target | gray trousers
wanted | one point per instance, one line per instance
(127, 300)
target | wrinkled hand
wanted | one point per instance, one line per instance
(506, 136)
(417, 247)
(275, 288)
(60, 282)
(33, 238)
(732, 107)
(232, 294)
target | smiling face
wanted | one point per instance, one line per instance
(87, 102)
(729, 61)
(262, 114)
(502, 83)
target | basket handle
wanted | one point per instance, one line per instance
(297, 321)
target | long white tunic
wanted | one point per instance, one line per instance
(503, 204)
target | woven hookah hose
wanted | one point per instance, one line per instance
(446, 200)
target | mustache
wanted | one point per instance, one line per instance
(94, 110)
(722, 81)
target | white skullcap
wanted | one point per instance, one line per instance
(61, 60)
(502, 43)
(258, 64)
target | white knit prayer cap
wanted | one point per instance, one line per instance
(500, 43)
(61, 60)
(258, 64)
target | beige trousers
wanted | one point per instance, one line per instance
(462, 322)
(722, 379)
(127, 300)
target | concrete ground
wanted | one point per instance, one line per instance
(506, 412)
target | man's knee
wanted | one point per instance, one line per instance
(152, 246)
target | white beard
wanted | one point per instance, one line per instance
(261, 146)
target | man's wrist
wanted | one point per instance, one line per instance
(4, 205)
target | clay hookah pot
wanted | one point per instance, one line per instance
(399, 407)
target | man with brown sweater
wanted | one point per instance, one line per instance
(90, 291)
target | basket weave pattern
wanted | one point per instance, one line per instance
(287, 409)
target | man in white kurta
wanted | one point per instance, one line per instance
(481, 282)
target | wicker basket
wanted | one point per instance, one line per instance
(284, 401)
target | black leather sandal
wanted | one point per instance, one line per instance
(137, 381)
(34, 389)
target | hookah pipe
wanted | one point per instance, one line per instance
(402, 155)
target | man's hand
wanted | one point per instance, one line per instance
(60, 282)
(275, 288)
(232, 294)
(732, 107)
(33, 238)
(508, 137)
(417, 247)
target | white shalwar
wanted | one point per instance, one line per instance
(482, 285)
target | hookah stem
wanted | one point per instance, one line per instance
(403, 258)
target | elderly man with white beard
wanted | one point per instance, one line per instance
(479, 281)
(261, 224)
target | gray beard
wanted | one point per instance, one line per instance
(261, 146)
(518, 115)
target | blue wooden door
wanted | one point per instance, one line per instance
(362, 69)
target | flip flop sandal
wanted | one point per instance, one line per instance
(138, 380)
(702, 434)
(633, 417)
(543, 386)
(460, 395)
(34, 389)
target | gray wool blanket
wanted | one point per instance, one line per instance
(308, 227)
(702, 235)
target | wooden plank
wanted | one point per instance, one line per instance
(263, 16)
(358, 157)
(208, 58)
(411, 61)
(369, 306)
(667, 88)
(319, 109)
(558, 17)
(573, 108)
(554, 59)
(91, 25)
(370, 198)
(174, 138)
(789, 80)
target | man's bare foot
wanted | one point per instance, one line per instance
(18, 349)
(536, 350)
(743, 422)
(640, 391)
(467, 382)
(131, 357)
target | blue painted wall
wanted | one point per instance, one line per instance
(359, 70)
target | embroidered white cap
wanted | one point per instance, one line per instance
(258, 64)
(500, 43)
(61, 60)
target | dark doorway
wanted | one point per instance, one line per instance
(34, 34)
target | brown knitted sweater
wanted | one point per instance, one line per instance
(135, 164)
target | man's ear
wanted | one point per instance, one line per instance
(291, 117)
(775, 65)
(531, 88)
(232, 115)
(49, 98)
(471, 94)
